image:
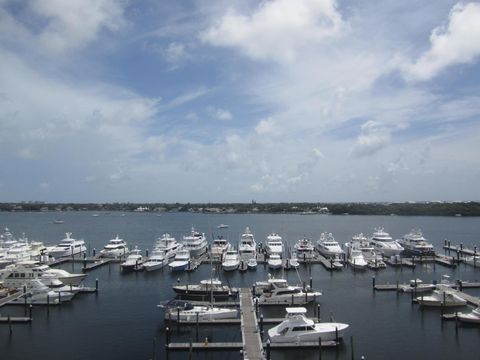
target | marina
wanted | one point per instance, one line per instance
(219, 334)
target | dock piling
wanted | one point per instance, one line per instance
(96, 285)
(30, 312)
(10, 324)
(268, 349)
(320, 348)
(318, 313)
(261, 326)
(351, 347)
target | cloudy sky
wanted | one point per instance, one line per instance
(280, 100)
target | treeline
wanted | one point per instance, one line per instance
(421, 208)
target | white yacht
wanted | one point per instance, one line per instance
(195, 243)
(39, 293)
(247, 248)
(168, 245)
(415, 244)
(442, 297)
(181, 261)
(472, 260)
(204, 290)
(185, 311)
(471, 317)
(278, 292)
(252, 264)
(15, 275)
(156, 261)
(383, 243)
(292, 262)
(231, 260)
(219, 247)
(274, 261)
(68, 247)
(356, 259)
(417, 286)
(274, 244)
(304, 249)
(115, 248)
(297, 328)
(134, 261)
(328, 246)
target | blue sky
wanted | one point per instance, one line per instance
(219, 101)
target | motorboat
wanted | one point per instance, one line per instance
(337, 262)
(169, 245)
(444, 297)
(219, 246)
(415, 243)
(115, 248)
(195, 243)
(356, 259)
(134, 261)
(278, 292)
(292, 261)
(184, 311)
(374, 261)
(304, 249)
(274, 262)
(247, 247)
(222, 226)
(417, 286)
(328, 246)
(181, 261)
(297, 328)
(383, 243)
(231, 260)
(471, 317)
(252, 264)
(204, 290)
(67, 247)
(472, 260)
(39, 293)
(16, 275)
(155, 261)
(274, 244)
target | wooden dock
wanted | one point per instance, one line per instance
(6, 300)
(219, 322)
(95, 264)
(252, 343)
(15, 319)
(460, 249)
(233, 346)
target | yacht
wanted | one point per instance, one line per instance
(115, 248)
(134, 261)
(274, 262)
(292, 262)
(181, 261)
(219, 247)
(415, 244)
(376, 263)
(278, 292)
(328, 247)
(156, 261)
(356, 259)
(304, 249)
(471, 317)
(15, 275)
(252, 264)
(39, 293)
(195, 243)
(68, 247)
(472, 260)
(204, 290)
(383, 243)
(417, 286)
(247, 247)
(231, 260)
(297, 328)
(443, 297)
(274, 244)
(168, 245)
(184, 311)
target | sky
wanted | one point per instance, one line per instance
(233, 101)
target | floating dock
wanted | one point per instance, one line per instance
(252, 343)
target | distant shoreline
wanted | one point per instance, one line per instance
(470, 208)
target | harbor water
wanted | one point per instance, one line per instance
(122, 321)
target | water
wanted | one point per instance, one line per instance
(123, 322)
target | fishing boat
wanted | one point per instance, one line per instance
(471, 317)
(443, 297)
(279, 292)
(356, 259)
(252, 264)
(178, 310)
(417, 286)
(297, 328)
(204, 290)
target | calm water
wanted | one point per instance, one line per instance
(123, 322)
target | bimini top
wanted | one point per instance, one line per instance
(296, 310)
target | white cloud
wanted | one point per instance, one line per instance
(456, 43)
(175, 52)
(373, 138)
(265, 126)
(277, 28)
(219, 114)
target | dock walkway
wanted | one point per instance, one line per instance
(252, 343)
